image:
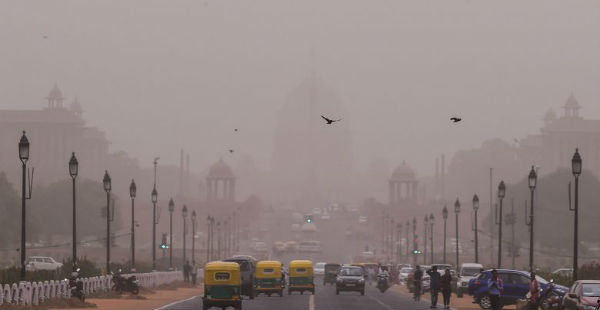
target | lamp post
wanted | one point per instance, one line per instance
(184, 213)
(457, 211)
(407, 244)
(218, 239)
(445, 216)
(171, 209)
(154, 197)
(532, 180)
(576, 164)
(399, 237)
(425, 228)
(194, 237)
(107, 187)
(501, 194)
(132, 194)
(209, 222)
(24, 157)
(73, 170)
(415, 241)
(431, 219)
(476, 232)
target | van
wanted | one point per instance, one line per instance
(467, 272)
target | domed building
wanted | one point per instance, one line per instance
(312, 161)
(220, 182)
(403, 185)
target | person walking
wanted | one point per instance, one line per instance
(186, 272)
(194, 273)
(434, 285)
(446, 286)
(534, 292)
(495, 289)
(417, 277)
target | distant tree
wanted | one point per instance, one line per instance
(10, 214)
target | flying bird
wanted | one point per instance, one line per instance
(456, 119)
(235, 130)
(330, 121)
(45, 37)
(231, 151)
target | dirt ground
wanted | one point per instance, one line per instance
(455, 303)
(151, 301)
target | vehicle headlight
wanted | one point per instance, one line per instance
(361, 280)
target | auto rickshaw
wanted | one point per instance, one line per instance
(268, 278)
(331, 271)
(301, 277)
(222, 285)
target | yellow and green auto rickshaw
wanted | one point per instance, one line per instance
(267, 278)
(301, 277)
(222, 285)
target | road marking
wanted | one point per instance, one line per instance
(381, 303)
(311, 302)
(175, 302)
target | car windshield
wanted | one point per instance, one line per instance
(469, 272)
(406, 270)
(351, 272)
(320, 265)
(541, 280)
(591, 290)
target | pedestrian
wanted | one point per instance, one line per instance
(534, 292)
(446, 285)
(434, 285)
(417, 277)
(194, 273)
(186, 272)
(495, 289)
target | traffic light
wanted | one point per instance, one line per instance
(309, 219)
(163, 244)
(416, 252)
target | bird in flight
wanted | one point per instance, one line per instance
(231, 151)
(45, 37)
(456, 119)
(330, 121)
(235, 130)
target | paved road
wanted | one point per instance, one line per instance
(324, 298)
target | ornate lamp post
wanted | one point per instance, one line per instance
(501, 194)
(218, 239)
(576, 165)
(445, 216)
(73, 170)
(154, 197)
(24, 157)
(457, 211)
(132, 194)
(475, 230)
(399, 237)
(415, 241)
(184, 213)
(431, 219)
(532, 180)
(194, 237)
(171, 209)
(107, 188)
(425, 229)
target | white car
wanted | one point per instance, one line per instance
(42, 263)
(319, 269)
(467, 272)
(404, 273)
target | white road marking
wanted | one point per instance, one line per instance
(381, 303)
(311, 302)
(175, 302)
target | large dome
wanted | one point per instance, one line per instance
(403, 173)
(220, 170)
(55, 93)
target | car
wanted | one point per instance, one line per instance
(583, 294)
(42, 263)
(350, 278)
(516, 286)
(312, 246)
(247, 269)
(467, 272)
(404, 273)
(563, 272)
(319, 269)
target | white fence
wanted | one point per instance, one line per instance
(33, 293)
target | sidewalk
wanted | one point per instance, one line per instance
(455, 303)
(148, 302)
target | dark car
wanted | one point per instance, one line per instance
(583, 294)
(247, 268)
(350, 278)
(516, 286)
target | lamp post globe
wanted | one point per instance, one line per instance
(154, 195)
(73, 166)
(106, 182)
(576, 165)
(171, 205)
(532, 178)
(24, 148)
(501, 190)
(132, 189)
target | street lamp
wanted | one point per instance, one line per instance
(532, 180)
(132, 194)
(399, 237)
(24, 157)
(576, 169)
(73, 170)
(107, 188)
(415, 241)
(475, 208)
(425, 228)
(501, 194)
(171, 209)
(431, 219)
(184, 213)
(445, 216)
(194, 237)
(457, 211)
(154, 197)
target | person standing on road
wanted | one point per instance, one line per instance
(434, 285)
(446, 286)
(186, 272)
(194, 272)
(417, 277)
(534, 292)
(495, 289)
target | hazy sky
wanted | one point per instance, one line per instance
(160, 75)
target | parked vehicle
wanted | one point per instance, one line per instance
(125, 284)
(563, 272)
(301, 277)
(247, 270)
(516, 286)
(222, 285)
(583, 295)
(319, 269)
(467, 272)
(42, 263)
(350, 278)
